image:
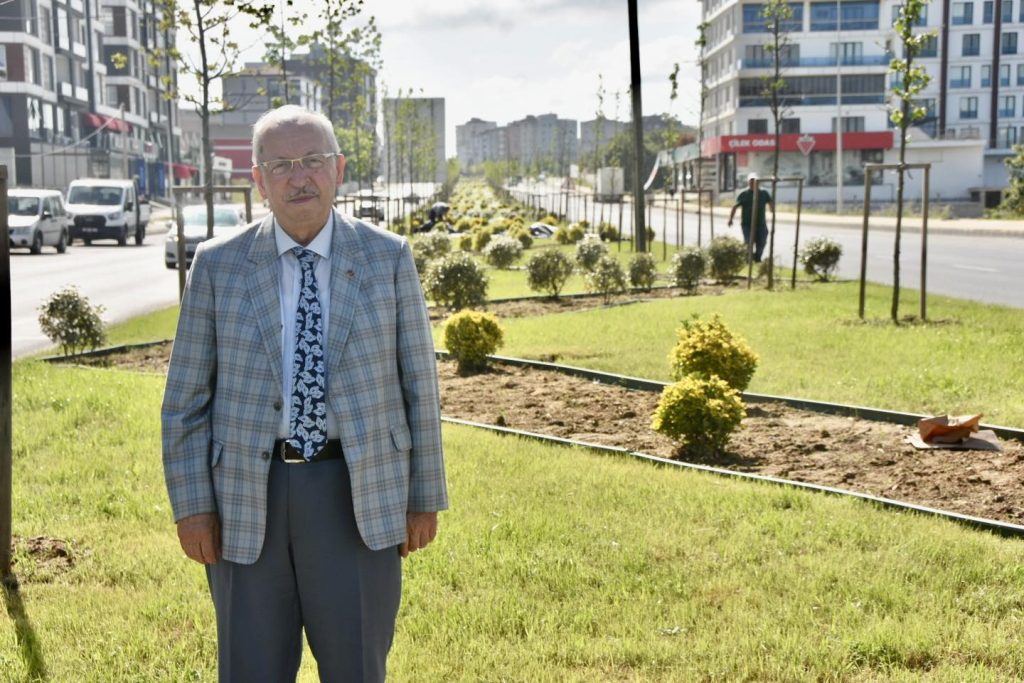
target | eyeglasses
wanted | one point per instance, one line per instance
(283, 167)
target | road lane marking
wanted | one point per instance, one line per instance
(980, 269)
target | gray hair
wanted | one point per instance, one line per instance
(290, 113)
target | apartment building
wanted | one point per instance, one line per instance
(79, 97)
(836, 69)
(414, 140)
(471, 141)
(599, 131)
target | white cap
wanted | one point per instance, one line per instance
(751, 176)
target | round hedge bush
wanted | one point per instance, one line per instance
(589, 251)
(606, 277)
(708, 348)
(688, 266)
(547, 271)
(502, 251)
(643, 271)
(456, 281)
(700, 413)
(471, 336)
(820, 257)
(726, 255)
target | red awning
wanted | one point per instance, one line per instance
(112, 124)
(92, 120)
(183, 171)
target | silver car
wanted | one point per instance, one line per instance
(37, 219)
(227, 219)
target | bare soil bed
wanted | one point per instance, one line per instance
(774, 440)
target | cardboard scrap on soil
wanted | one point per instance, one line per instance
(956, 433)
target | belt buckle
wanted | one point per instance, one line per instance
(284, 454)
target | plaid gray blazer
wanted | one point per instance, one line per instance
(222, 401)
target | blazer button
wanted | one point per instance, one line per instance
(266, 455)
(277, 404)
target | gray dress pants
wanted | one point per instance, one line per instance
(314, 573)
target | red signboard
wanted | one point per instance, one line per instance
(791, 142)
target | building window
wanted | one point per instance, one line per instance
(754, 21)
(789, 126)
(3, 62)
(1006, 137)
(45, 34)
(930, 47)
(47, 73)
(35, 117)
(968, 107)
(1004, 74)
(971, 45)
(1020, 74)
(1007, 11)
(986, 12)
(849, 53)
(63, 40)
(986, 75)
(921, 21)
(963, 13)
(757, 126)
(1009, 43)
(960, 77)
(856, 16)
(851, 124)
(31, 65)
(1007, 106)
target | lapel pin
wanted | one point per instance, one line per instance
(350, 273)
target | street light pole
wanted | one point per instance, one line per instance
(839, 106)
(639, 227)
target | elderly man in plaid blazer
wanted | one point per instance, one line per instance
(301, 425)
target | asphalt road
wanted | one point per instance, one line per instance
(126, 281)
(981, 268)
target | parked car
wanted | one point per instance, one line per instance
(368, 207)
(37, 219)
(542, 230)
(105, 208)
(227, 219)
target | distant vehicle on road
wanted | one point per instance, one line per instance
(227, 219)
(107, 208)
(542, 230)
(37, 219)
(368, 207)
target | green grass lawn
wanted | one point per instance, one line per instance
(554, 564)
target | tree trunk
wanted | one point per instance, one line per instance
(901, 176)
(204, 114)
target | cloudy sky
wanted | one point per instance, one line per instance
(501, 60)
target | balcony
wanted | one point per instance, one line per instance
(812, 100)
(963, 21)
(968, 115)
(960, 83)
(1007, 113)
(859, 60)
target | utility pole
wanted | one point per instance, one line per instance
(839, 106)
(124, 145)
(6, 396)
(639, 226)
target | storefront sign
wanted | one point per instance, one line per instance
(796, 142)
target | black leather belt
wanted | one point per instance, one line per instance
(287, 453)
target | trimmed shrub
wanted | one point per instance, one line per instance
(726, 255)
(523, 235)
(820, 257)
(464, 224)
(466, 242)
(700, 413)
(434, 244)
(707, 348)
(571, 235)
(502, 251)
(549, 218)
(548, 271)
(643, 270)
(71, 322)
(589, 251)
(456, 281)
(606, 277)
(688, 266)
(608, 232)
(471, 336)
(481, 237)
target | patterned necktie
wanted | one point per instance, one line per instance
(308, 418)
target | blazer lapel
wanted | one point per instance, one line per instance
(346, 265)
(264, 292)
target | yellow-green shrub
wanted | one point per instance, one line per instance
(700, 413)
(471, 336)
(707, 348)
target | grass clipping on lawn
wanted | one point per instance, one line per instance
(554, 564)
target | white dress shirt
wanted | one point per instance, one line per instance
(291, 285)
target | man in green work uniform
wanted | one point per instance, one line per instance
(746, 200)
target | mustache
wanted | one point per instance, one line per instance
(303, 193)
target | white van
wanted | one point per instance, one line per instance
(106, 208)
(36, 219)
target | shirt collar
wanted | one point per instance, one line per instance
(321, 244)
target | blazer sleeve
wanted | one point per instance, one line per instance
(417, 368)
(186, 423)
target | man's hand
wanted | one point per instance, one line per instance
(420, 530)
(199, 536)
(729, 224)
